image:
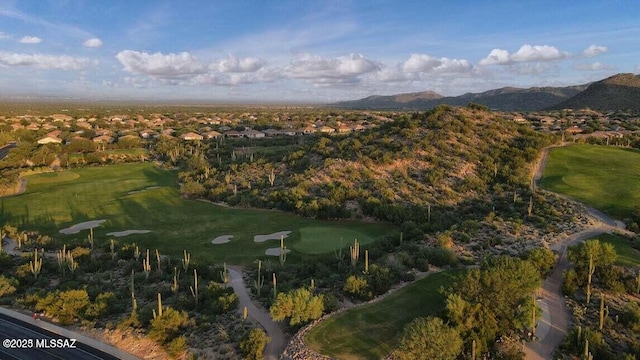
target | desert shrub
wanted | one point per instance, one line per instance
(357, 286)
(65, 305)
(253, 344)
(439, 256)
(164, 328)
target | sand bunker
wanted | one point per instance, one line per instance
(274, 236)
(222, 239)
(82, 226)
(127, 232)
(145, 189)
(275, 251)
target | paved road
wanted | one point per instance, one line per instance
(554, 323)
(274, 330)
(37, 343)
(5, 150)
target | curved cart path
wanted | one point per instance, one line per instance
(277, 343)
(554, 323)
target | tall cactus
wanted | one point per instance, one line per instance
(259, 282)
(366, 262)
(134, 302)
(36, 265)
(159, 262)
(275, 289)
(283, 251)
(272, 177)
(592, 269)
(194, 288)
(355, 253)
(146, 266)
(604, 311)
(224, 274)
(174, 286)
(136, 253)
(186, 260)
(112, 247)
(159, 313)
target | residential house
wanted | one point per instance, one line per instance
(253, 134)
(49, 140)
(212, 134)
(191, 136)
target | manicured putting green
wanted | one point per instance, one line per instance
(627, 255)
(371, 331)
(144, 197)
(319, 240)
(607, 178)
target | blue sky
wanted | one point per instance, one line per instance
(316, 51)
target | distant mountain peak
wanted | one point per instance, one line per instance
(621, 91)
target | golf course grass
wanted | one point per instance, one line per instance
(627, 255)
(144, 197)
(320, 240)
(607, 178)
(371, 331)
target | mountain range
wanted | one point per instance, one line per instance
(618, 92)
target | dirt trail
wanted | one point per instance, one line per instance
(274, 330)
(554, 324)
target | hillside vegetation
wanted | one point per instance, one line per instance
(422, 167)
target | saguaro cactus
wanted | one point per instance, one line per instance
(36, 265)
(259, 282)
(355, 253)
(604, 311)
(275, 289)
(224, 273)
(186, 260)
(174, 286)
(592, 269)
(159, 313)
(146, 266)
(194, 288)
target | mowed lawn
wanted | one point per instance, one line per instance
(607, 178)
(371, 331)
(144, 197)
(627, 255)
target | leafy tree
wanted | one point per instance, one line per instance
(543, 259)
(253, 344)
(429, 339)
(300, 305)
(487, 302)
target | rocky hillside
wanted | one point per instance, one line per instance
(423, 167)
(618, 92)
(507, 99)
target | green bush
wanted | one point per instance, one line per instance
(253, 344)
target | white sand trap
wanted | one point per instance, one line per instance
(127, 232)
(275, 251)
(82, 226)
(274, 236)
(222, 239)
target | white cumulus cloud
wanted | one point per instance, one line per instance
(421, 63)
(323, 71)
(526, 53)
(45, 62)
(93, 43)
(594, 50)
(30, 40)
(164, 66)
(234, 65)
(496, 57)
